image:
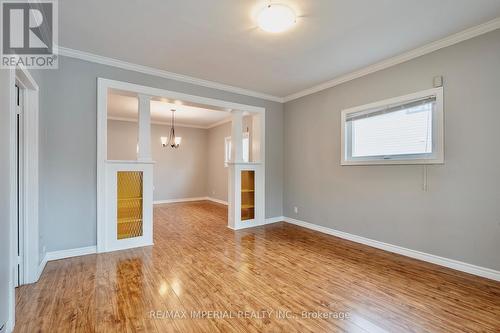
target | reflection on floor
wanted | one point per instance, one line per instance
(203, 277)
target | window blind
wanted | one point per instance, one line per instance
(404, 129)
(390, 108)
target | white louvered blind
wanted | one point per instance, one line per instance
(404, 129)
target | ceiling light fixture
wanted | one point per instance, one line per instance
(276, 18)
(173, 141)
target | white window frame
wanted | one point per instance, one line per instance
(437, 155)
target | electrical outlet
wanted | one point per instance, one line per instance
(44, 249)
(213, 192)
(295, 209)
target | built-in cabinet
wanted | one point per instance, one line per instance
(246, 187)
(129, 205)
(247, 195)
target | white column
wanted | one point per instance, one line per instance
(234, 195)
(144, 135)
(237, 136)
(256, 137)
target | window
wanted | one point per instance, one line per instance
(401, 130)
(246, 148)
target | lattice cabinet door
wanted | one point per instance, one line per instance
(129, 205)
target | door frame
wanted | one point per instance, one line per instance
(30, 235)
(20, 147)
(30, 187)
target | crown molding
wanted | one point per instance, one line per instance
(163, 123)
(415, 53)
(177, 124)
(67, 52)
(221, 122)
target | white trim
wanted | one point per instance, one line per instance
(437, 156)
(128, 162)
(64, 51)
(222, 202)
(26, 79)
(8, 327)
(248, 224)
(70, 253)
(144, 151)
(30, 171)
(102, 143)
(163, 123)
(169, 201)
(221, 122)
(221, 104)
(12, 196)
(415, 53)
(450, 263)
(30, 250)
(41, 266)
(276, 219)
(160, 202)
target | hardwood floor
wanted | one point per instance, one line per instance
(198, 264)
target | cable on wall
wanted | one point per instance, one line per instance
(424, 179)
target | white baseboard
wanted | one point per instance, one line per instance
(450, 263)
(252, 224)
(41, 267)
(275, 219)
(159, 202)
(9, 327)
(217, 200)
(63, 254)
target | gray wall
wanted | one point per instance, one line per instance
(68, 147)
(4, 195)
(182, 172)
(459, 216)
(178, 173)
(217, 185)
(122, 140)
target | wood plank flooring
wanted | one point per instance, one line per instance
(306, 281)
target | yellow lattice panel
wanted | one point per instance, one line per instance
(129, 208)
(247, 194)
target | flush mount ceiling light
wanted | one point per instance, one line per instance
(276, 18)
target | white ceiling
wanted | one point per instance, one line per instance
(123, 107)
(219, 41)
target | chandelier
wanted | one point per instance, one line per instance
(173, 141)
